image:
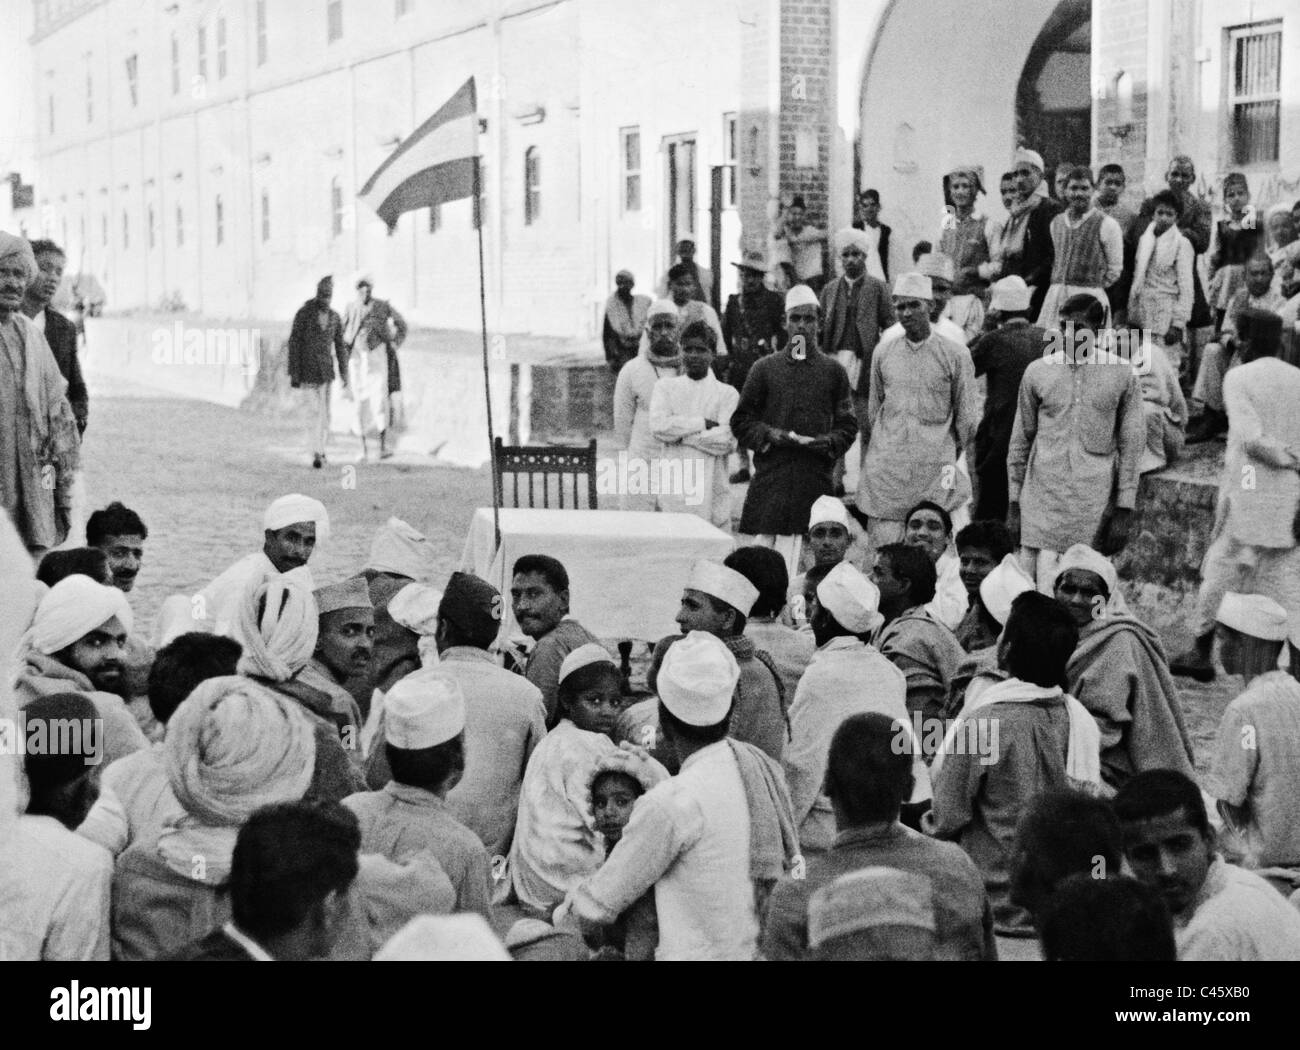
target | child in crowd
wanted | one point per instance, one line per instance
(614, 792)
(1236, 239)
(1161, 298)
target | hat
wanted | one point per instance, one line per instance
(293, 508)
(800, 295)
(415, 607)
(698, 679)
(851, 598)
(727, 585)
(937, 265)
(870, 897)
(1002, 586)
(1010, 293)
(1254, 614)
(352, 593)
(913, 286)
(849, 237)
(1028, 156)
(401, 550)
(828, 509)
(662, 306)
(753, 259)
(474, 606)
(584, 656)
(424, 709)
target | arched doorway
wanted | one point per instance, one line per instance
(1054, 97)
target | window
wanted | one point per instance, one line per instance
(532, 186)
(435, 218)
(403, 8)
(221, 48)
(203, 52)
(132, 79)
(631, 154)
(266, 216)
(180, 227)
(153, 229)
(261, 32)
(1254, 93)
(336, 206)
(729, 159)
(176, 65)
(334, 11)
(221, 221)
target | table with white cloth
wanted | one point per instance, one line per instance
(627, 569)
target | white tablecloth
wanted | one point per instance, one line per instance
(627, 569)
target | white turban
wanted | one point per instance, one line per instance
(1010, 293)
(74, 607)
(851, 237)
(1028, 156)
(402, 550)
(913, 286)
(279, 644)
(697, 679)
(445, 938)
(11, 245)
(234, 746)
(415, 607)
(1254, 614)
(851, 598)
(828, 509)
(1081, 556)
(663, 306)
(291, 509)
(1003, 586)
(800, 295)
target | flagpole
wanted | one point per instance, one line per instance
(487, 378)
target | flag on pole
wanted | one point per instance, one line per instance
(435, 164)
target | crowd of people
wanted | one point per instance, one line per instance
(911, 718)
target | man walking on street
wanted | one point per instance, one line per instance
(375, 378)
(314, 341)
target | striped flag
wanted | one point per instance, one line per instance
(438, 163)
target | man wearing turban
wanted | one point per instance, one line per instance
(39, 440)
(75, 645)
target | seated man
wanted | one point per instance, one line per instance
(1163, 408)
(345, 645)
(1221, 912)
(790, 650)
(829, 538)
(980, 668)
(1256, 770)
(120, 533)
(1120, 674)
(290, 874)
(539, 596)
(75, 645)
(135, 798)
(929, 527)
(981, 547)
(54, 884)
(869, 777)
(1107, 920)
(1018, 738)
(74, 561)
(920, 646)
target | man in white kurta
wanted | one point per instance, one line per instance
(660, 358)
(691, 415)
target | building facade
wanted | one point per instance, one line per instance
(206, 154)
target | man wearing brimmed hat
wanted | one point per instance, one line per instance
(846, 676)
(753, 326)
(707, 839)
(424, 726)
(1002, 354)
(1027, 239)
(1256, 541)
(796, 414)
(921, 415)
(625, 317)
(717, 600)
(1256, 769)
(660, 355)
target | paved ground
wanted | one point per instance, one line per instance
(201, 476)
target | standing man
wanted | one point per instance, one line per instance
(59, 332)
(625, 318)
(796, 414)
(1254, 547)
(856, 308)
(753, 322)
(799, 248)
(315, 340)
(375, 379)
(660, 356)
(701, 276)
(1087, 248)
(682, 290)
(120, 533)
(39, 441)
(867, 219)
(920, 413)
(1027, 238)
(1075, 447)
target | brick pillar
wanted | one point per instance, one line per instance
(1119, 35)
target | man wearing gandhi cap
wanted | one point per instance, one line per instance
(938, 269)
(717, 600)
(921, 413)
(424, 717)
(703, 838)
(829, 539)
(660, 355)
(345, 644)
(625, 318)
(846, 677)
(796, 414)
(39, 440)
(1256, 769)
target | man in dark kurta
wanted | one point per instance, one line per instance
(796, 414)
(60, 332)
(314, 341)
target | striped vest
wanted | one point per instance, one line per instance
(1079, 259)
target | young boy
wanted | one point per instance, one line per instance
(1160, 300)
(1089, 249)
(636, 933)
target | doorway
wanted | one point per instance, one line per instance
(679, 153)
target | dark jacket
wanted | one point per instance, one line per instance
(61, 334)
(310, 346)
(875, 314)
(1039, 251)
(752, 327)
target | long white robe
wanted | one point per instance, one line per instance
(693, 471)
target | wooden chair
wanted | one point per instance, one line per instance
(563, 462)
